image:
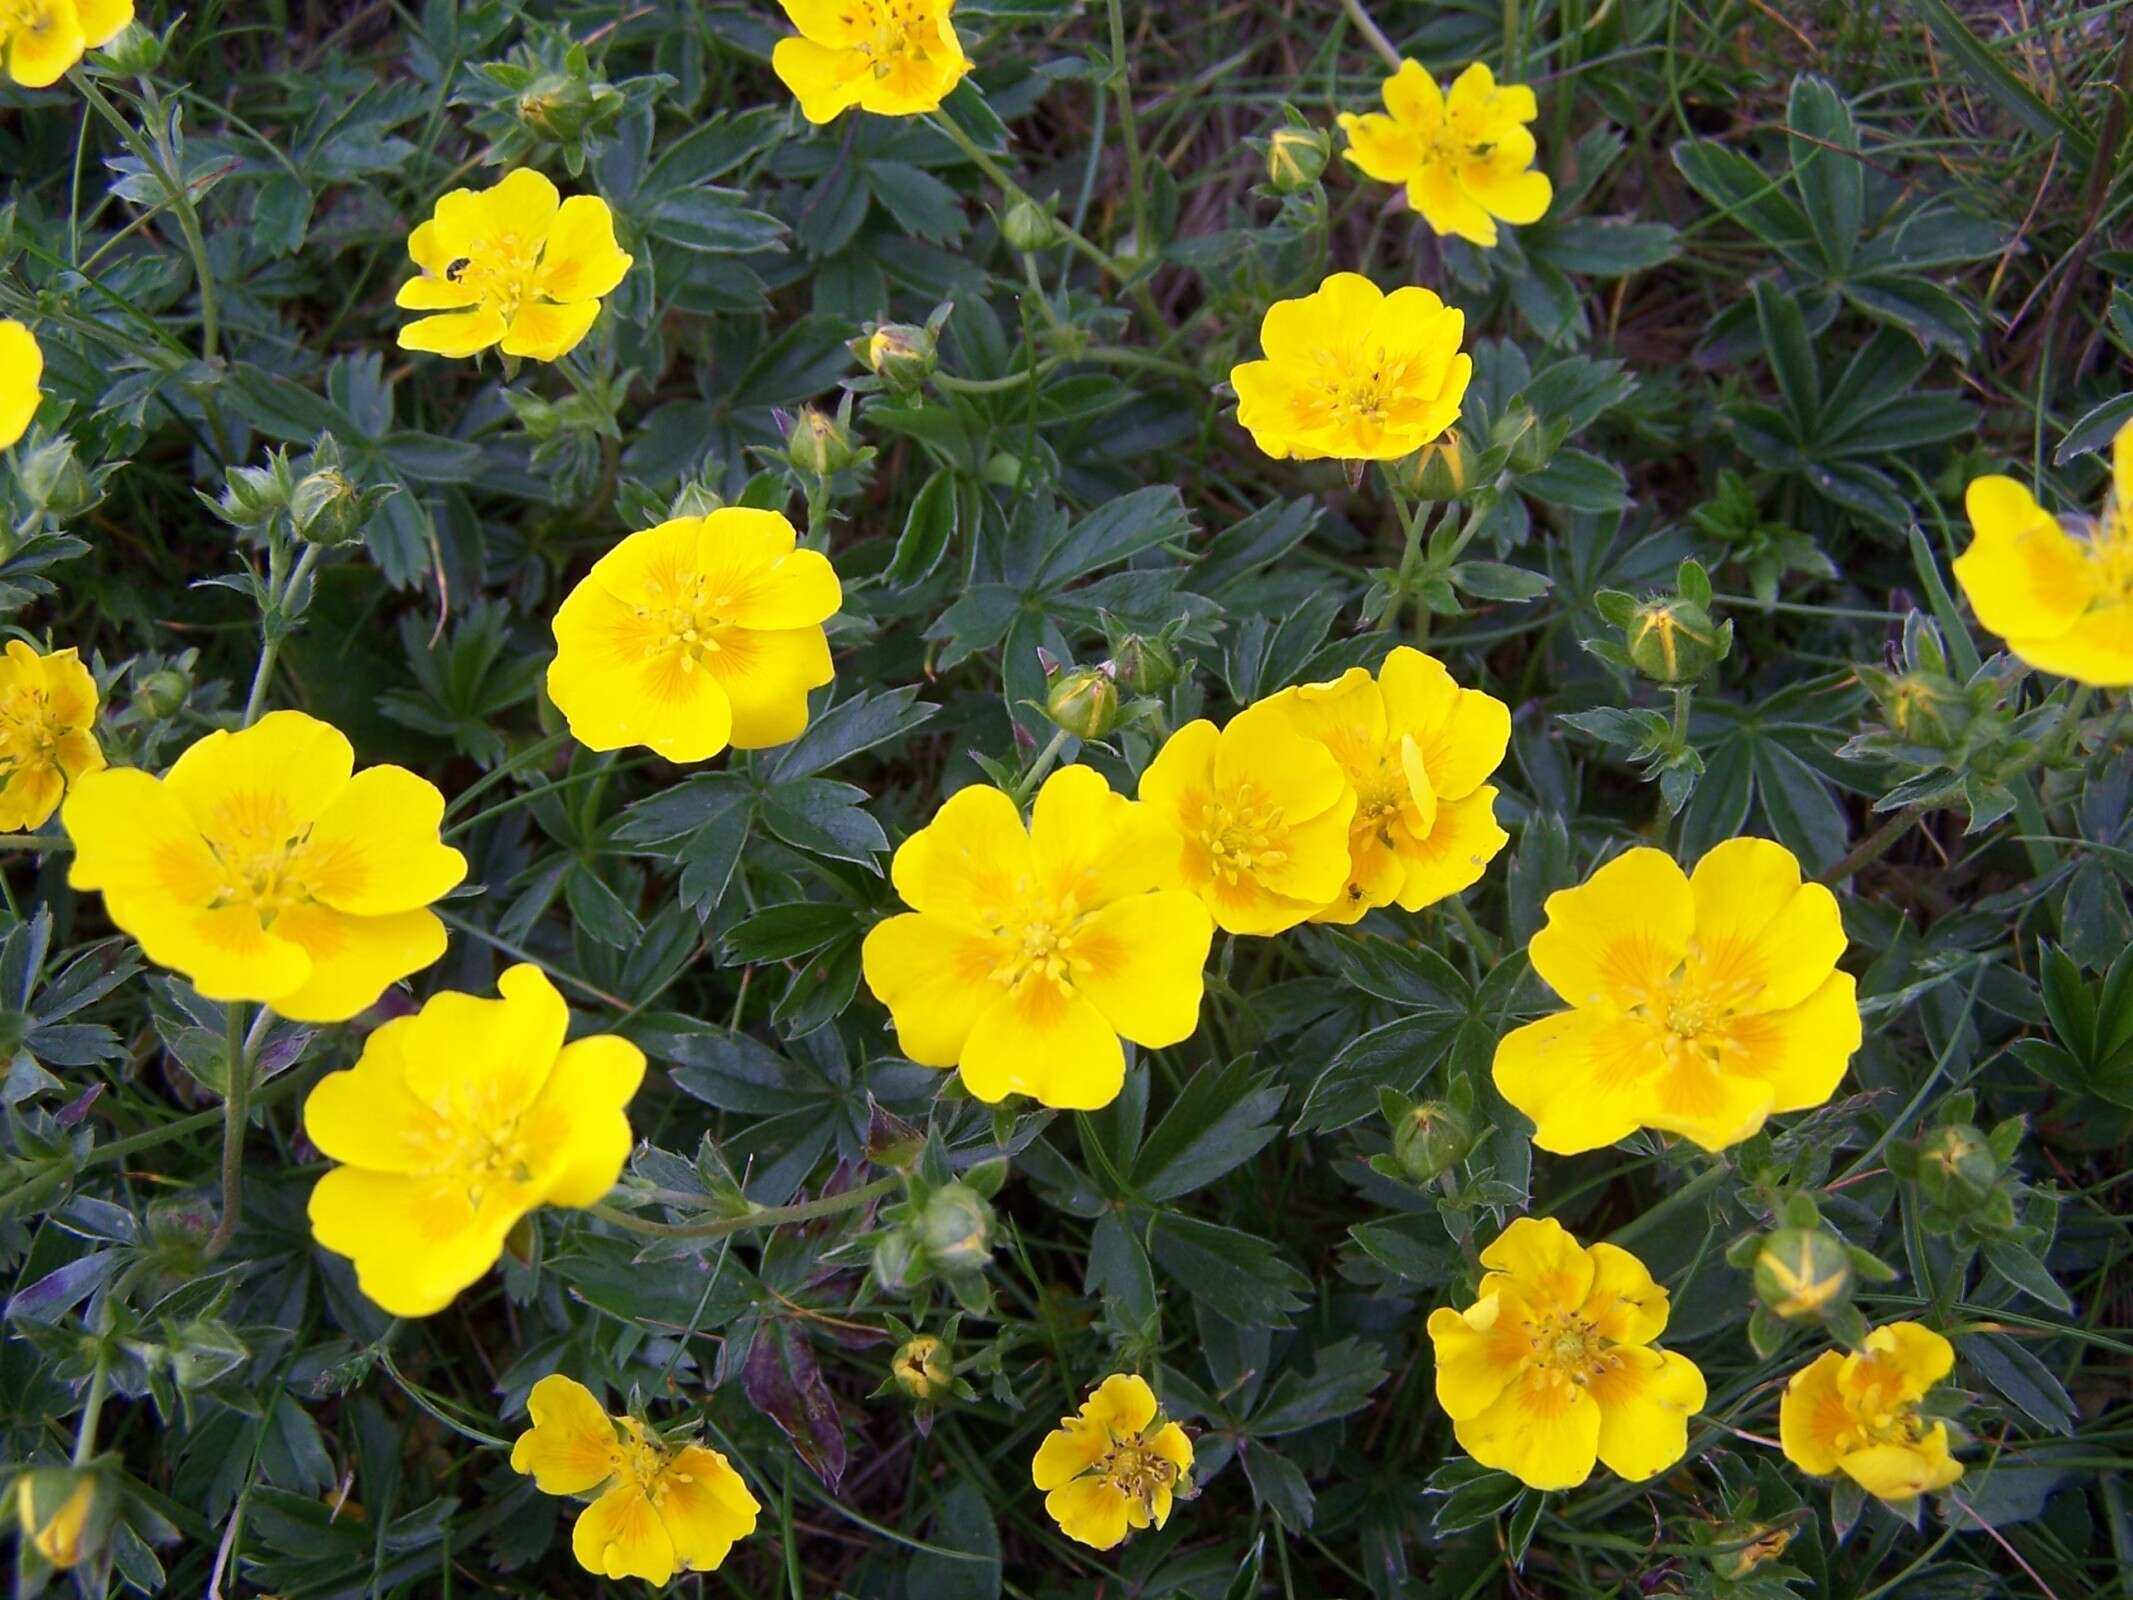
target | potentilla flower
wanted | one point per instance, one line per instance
(1857, 1413)
(43, 38)
(515, 265)
(262, 866)
(660, 1507)
(1416, 749)
(1260, 814)
(2059, 591)
(456, 1122)
(1699, 1004)
(1552, 1367)
(1354, 374)
(699, 633)
(1115, 1466)
(896, 58)
(1464, 156)
(1028, 952)
(21, 372)
(47, 732)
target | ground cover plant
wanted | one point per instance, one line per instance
(932, 801)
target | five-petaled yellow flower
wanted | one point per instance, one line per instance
(660, 1508)
(1417, 750)
(2062, 600)
(1466, 156)
(1699, 1004)
(453, 1124)
(47, 732)
(896, 58)
(1028, 952)
(1857, 1413)
(21, 372)
(1354, 374)
(1553, 1368)
(1261, 818)
(263, 867)
(1115, 1466)
(696, 634)
(43, 38)
(515, 265)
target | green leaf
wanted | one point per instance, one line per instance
(1792, 356)
(1234, 1274)
(929, 529)
(1826, 166)
(1990, 73)
(1113, 532)
(778, 933)
(1225, 1116)
(963, 1523)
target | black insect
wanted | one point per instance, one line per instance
(453, 272)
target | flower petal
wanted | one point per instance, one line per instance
(971, 865)
(571, 1447)
(1764, 937)
(1456, 852)
(1090, 1511)
(1714, 1110)
(456, 334)
(435, 294)
(616, 688)
(262, 787)
(223, 952)
(1543, 1431)
(1578, 1075)
(494, 1055)
(576, 1130)
(1462, 733)
(1068, 1451)
(1480, 1352)
(934, 977)
(620, 1535)
(581, 260)
(706, 1507)
(21, 371)
(1812, 1414)
(1140, 961)
(766, 676)
(375, 848)
(1617, 937)
(2098, 649)
(131, 834)
(1646, 1398)
(1548, 1266)
(1040, 1042)
(354, 960)
(1123, 1403)
(38, 56)
(2023, 574)
(826, 82)
(1802, 1052)
(365, 1116)
(416, 1241)
(543, 332)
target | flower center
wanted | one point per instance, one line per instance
(895, 33)
(499, 269)
(1034, 942)
(2107, 542)
(1137, 1472)
(1242, 834)
(1567, 1347)
(30, 731)
(687, 621)
(27, 16)
(263, 865)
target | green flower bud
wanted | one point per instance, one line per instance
(63, 1512)
(1296, 158)
(1028, 226)
(1675, 641)
(54, 481)
(955, 1228)
(1957, 1169)
(162, 693)
(923, 1367)
(1142, 665)
(556, 107)
(900, 354)
(1431, 1139)
(135, 53)
(819, 444)
(1444, 469)
(897, 1263)
(1803, 1272)
(327, 508)
(1928, 708)
(1084, 701)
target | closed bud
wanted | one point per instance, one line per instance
(1803, 1272)
(897, 1263)
(1519, 433)
(135, 53)
(1674, 641)
(253, 496)
(955, 1229)
(1444, 468)
(1928, 708)
(162, 693)
(1957, 1168)
(819, 444)
(327, 508)
(1084, 701)
(1141, 665)
(922, 1367)
(53, 479)
(1431, 1139)
(900, 354)
(1296, 157)
(1754, 1546)
(1029, 226)
(60, 1513)
(556, 107)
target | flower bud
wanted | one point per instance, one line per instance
(1029, 226)
(1756, 1546)
(897, 1263)
(1141, 665)
(556, 107)
(1674, 640)
(135, 53)
(819, 444)
(54, 481)
(1803, 1272)
(58, 1511)
(900, 354)
(922, 1367)
(1928, 708)
(1957, 1168)
(1431, 1139)
(1084, 701)
(162, 693)
(326, 508)
(1444, 467)
(955, 1229)
(252, 496)
(1296, 158)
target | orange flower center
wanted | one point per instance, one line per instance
(499, 269)
(1567, 1349)
(1242, 834)
(686, 620)
(28, 16)
(1692, 1014)
(267, 864)
(1039, 948)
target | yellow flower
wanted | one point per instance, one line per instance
(1553, 1368)
(696, 634)
(1416, 749)
(1464, 156)
(54, 1507)
(1857, 1413)
(21, 368)
(453, 1124)
(2062, 600)
(661, 1508)
(1699, 1005)
(515, 265)
(263, 867)
(1028, 952)
(43, 38)
(896, 58)
(1261, 815)
(1354, 374)
(47, 732)
(1116, 1465)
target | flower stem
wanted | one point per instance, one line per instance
(270, 634)
(1876, 844)
(1014, 191)
(1026, 785)
(828, 1205)
(92, 1411)
(1373, 35)
(236, 1097)
(534, 753)
(1136, 169)
(36, 843)
(1695, 1189)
